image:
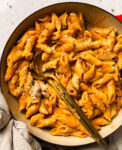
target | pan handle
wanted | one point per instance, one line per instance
(119, 17)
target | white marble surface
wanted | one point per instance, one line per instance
(12, 12)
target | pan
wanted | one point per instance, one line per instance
(93, 16)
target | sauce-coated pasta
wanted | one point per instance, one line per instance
(87, 63)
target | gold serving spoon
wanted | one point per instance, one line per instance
(70, 102)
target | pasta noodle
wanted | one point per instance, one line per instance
(87, 63)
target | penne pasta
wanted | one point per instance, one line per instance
(50, 65)
(32, 110)
(111, 91)
(63, 19)
(36, 119)
(119, 62)
(29, 47)
(89, 74)
(98, 33)
(111, 39)
(79, 68)
(79, 134)
(107, 113)
(86, 104)
(87, 63)
(113, 110)
(23, 102)
(75, 81)
(48, 122)
(100, 121)
(119, 103)
(97, 102)
(44, 47)
(104, 80)
(10, 71)
(118, 46)
(91, 59)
